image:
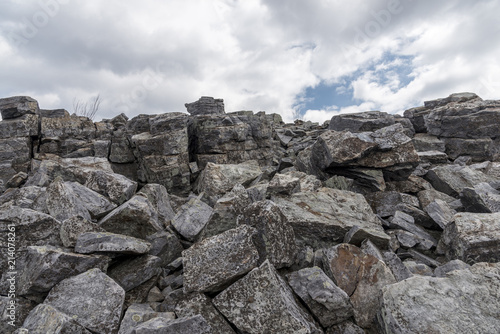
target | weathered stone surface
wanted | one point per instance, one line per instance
(216, 180)
(136, 218)
(424, 142)
(15, 153)
(363, 179)
(93, 299)
(361, 122)
(47, 265)
(116, 187)
(347, 327)
(105, 242)
(444, 269)
(166, 246)
(133, 272)
(440, 212)
(262, 302)
(361, 276)
(192, 218)
(466, 301)
(197, 303)
(283, 184)
(216, 262)
(27, 197)
(206, 105)
(480, 149)
(322, 218)
(159, 198)
(357, 235)
(17, 106)
(13, 312)
(24, 126)
(45, 319)
(71, 228)
(406, 222)
(473, 237)
(137, 314)
(428, 196)
(194, 325)
(399, 270)
(121, 151)
(433, 157)
(63, 203)
(74, 127)
(417, 268)
(329, 303)
(482, 198)
(275, 239)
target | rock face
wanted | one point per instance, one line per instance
(215, 222)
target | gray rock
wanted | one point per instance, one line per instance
(440, 212)
(17, 106)
(428, 196)
(262, 302)
(96, 204)
(47, 265)
(275, 239)
(370, 248)
(72, 228)
(63, 203)
(17, 180)
(136, 218)
(444, 269)
(424, 142)
(13, 312)
(347, 327)
(363, 179)
(25, 126)
(206, 105)
(27, 197)
(361, 122)
(322, 218)
(463, 302)
(105, 242)
(478, 150)
(45, 319)
(137, 314)
(433, 157)
(116, 187)
(361, 276)
(357, 235)
(198, 303)
(159, 198)
(473, 237)
(214, 263)
(121, 151)
(418, 268)
(72, 127)
(133, 272)
(93, 299)
(406, 222)
(482, 198)
(327, 302)
(307, 182)
(194, 325)
(398, 268)
(166, 246)
(283, 184)
(192, 218)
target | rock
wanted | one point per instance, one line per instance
(307, 182)
(327, 302)
(361, 276)
(421, 258)
(212, 264)
(194, 325)
(17, 106)
(361, 122)
(433, 157)
(137, 314)
(440, 212)
(398, 268)
(15, 154)
(159, 198)
(133, 272)
(47, 265)
(63, 203)
(72, 127)
(413, 185)
(72, 228)
(480, 149)
(166, 246)
(364, 179)
(370, 248)
(424, 142)
(321, 218)
(275, 239)
(216, 180)
(283, 184)
(47, 319)
(25, 126)
(418, 268)
(452, 265)
(261, 302)
(93, 299)
(482, 198)
(120, 151)
(197, 303)
(105, 242)
(428, 196)
(357, 234)
(140, 293)
(33, 198)
(473, 237)
(192, 218)
(407, 223)
(13, 312)
(463, 302)
(205, 106)
(116, 187)
(345, 328)
(136, 218)
(53, 113)
(17, 180)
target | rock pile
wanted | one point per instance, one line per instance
(221, 222)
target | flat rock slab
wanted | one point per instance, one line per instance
(45, 319)
(191, 325)
(466, 301)
(105, 242)
(473, 237)
(262, 302)
(361, 276)
(214, 263)
(329, 303)
(92, 298)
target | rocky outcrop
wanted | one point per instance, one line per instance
(215, 222)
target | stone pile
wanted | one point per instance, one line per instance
(221, 222)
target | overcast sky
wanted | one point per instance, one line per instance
(306, 59)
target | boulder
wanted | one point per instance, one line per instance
(32, 197)
(116, 187)
(160, 199)
(361, 122)
(47, 319)
(401, 220)
(417, 268)
(482, 198)
(192, 325)
(72, 228)
(262, 302)
(166, 246)
(326, 301)
(92, 298)
(424, 142)
(283, 184)
(24, 126)
(464, 302)
(347, 327)
(214, 263)
(399, 270)
(133, 272)
(137, 314)
(206, 105)
(17, 106)
(63, 203)
(120, 151)
(480, 149)
(192, 218)
(357, 235)
(440, 212)
(105, 242)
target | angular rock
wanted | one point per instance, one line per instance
(105, 242)
(47, 319)
(364, 179)
(47, 265)
(326, 301)
(166, 246)
(72, 228)
(133, 272)
(192, 325)
(17, 106)
(72, 127)
(214, 263)
(418, 268)
(96, 204)
(433, 157)
(136, 218)
(440, 212)
(361, 122)
(357, 235)
(93, 299)
(197, 303)
(283, 184)
(347, 327)
(137, 314)
(121, 151)
(13, 312)
(17, 180)
(407, 223)
(159, 198)
(464, 302)
(428, 196)
(480, 149)
(473, 237)
(262, 302)
(25, 126)
(62, 202)
(206, 105)
(192, 218)
(361, 276)
(116, 187)
(424, 142)
(482, 198)
(27, 197)
(275, 239)
(444, 269)
(399, 270)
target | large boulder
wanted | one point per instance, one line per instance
(192, 218)
(361, 122)
(17, 106)
(138, 314)
(47, 319)
(481, 198)
(133, 272)
(206, 105)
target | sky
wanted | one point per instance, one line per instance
(303, 59)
